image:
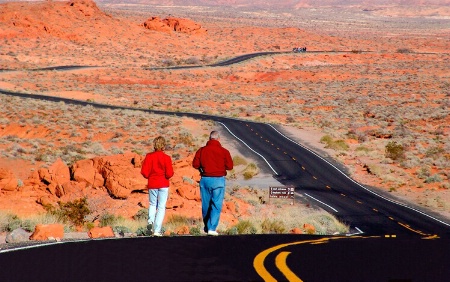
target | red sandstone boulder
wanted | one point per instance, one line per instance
(189, 192)
(87, 171)
(174, 24)
(174, 203)
(55, 176)
(46, 201)
(101, 232)
(182, 230)
(121, 177)
(69, 188)
(59, 172)
(156, 24)
(119, 174)
(296, 230)
(43, 232)
(309, 228)
(8, 182)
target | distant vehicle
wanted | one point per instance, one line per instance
(299, 49)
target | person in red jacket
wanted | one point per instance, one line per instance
(213, 161)
(157, 168)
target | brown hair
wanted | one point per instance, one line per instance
(159, 143)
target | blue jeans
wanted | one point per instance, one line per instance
(157, 208)
(212, 191)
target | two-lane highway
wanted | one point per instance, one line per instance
(365, 210)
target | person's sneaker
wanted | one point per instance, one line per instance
(212, 233)
(149, 229)
(157, 234)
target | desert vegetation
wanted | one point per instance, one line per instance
(261, 216)
(375, 86)
(46, 131)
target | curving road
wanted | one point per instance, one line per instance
(366, 211)
(389, 241)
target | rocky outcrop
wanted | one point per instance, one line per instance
(87, 7)
(101, 232)
(8, 182)
(44, 232)
(171, 24)
(119, 174)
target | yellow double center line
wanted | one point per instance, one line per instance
(281, 258)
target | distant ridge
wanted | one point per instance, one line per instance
(282, 3)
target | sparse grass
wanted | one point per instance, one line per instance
(10, 221)
(279, 216)
(178, 221)
(338, 145)
(239, 160)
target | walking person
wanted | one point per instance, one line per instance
(212, 161)
(157, 168)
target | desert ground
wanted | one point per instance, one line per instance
(371, 92)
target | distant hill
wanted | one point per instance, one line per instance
(271, 3)
(282, 3)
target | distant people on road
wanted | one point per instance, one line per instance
(157, 168)
(212, 161)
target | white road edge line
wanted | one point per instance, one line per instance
(357, 233)
(363, 187)
(249, 147)
(321, 202)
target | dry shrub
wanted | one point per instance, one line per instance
(250, 170)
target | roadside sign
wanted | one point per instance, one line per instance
(282, 192)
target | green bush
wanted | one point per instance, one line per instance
(122, 229)
(10, 222)
(327, 139)
(107, 220)
(141, 231)
(195, 231)
(74, 212)
(394, 151)
(245, 227)
(433, 178)
(142, 214)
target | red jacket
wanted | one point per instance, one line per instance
(213, 158)
(157, 168)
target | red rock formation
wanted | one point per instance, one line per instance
(8, 182)
(156, 24)
(174, 24)
(120, 174)
(43, 232)
(101, 232)
(296, 230)
(309, 228)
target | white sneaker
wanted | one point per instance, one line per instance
(157, 234)
(212, 233)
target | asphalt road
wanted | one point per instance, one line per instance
(366, 211)
(233, 258)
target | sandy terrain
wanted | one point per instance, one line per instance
(368, 78)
